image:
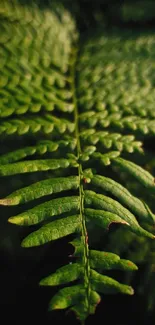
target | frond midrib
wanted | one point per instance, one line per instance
(84, 234)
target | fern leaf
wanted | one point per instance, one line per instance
(32, 124)
(107, 285)
(52, 231)
(136, 171)
(123, 195)
(65, 274)
(113, 140)
(108, 261)
(117, 120)
(39, 189)
(47, 210)
(106, 203)
(30, 166)
(82, 112)
(42, 147)
(67, 297)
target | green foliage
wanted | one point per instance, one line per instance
(100, 105)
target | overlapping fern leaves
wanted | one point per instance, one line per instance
(84, 110)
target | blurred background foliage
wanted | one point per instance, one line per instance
(22, 300)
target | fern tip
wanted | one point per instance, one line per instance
(131, 291)
(128, 290)
(16, 220)
(43, 282)
(6, 202)
(24, 244)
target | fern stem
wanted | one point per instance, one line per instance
(80, 173)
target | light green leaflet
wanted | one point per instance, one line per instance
(63, 275)
(67, 297)
(107, 157)
(33, 166)
(41, 148)
(108, 261)
(107, 285)
(42, 188)
(52, 231)
(46, 210)
(112, 140)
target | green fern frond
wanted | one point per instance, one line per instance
(122, 88)
(98, 106)
(115, 141)
(42, 147)
(33, 124)
(30, 166)
(32, 79)
(118, 121)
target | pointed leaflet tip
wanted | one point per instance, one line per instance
(145, 233)
(17, 221)
(5, 202)
(126, 265)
